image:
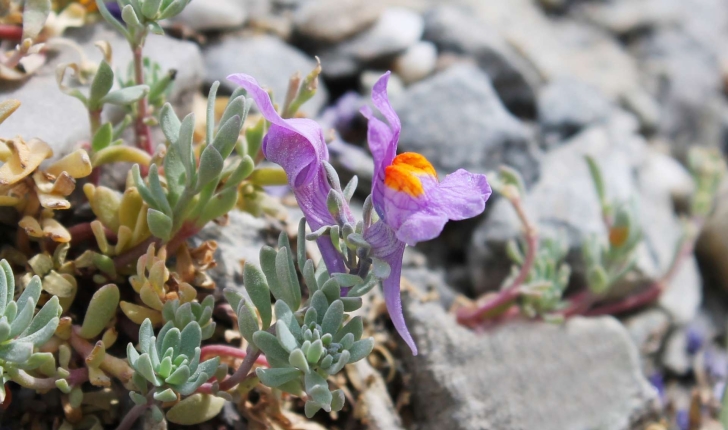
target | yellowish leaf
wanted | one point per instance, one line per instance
(138, 313)
(24, 160)
(7, 107)
(121, 154)
(77, 164)
(59, 285)
(55, 230)
(187, 292)
(150, 297)
(31, 226)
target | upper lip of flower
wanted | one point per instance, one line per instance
(297, 145)
(412, 204)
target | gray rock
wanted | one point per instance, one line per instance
(566, 48)
(416, 63)
(624, 17)
(213, 15)
(456, 120)
(377, 408)
(64, 119)
(675, 357)
(396, 30)
(239, 241)
(565, 106)
(267, 58)
(583, 374)
(648, 329)
(456, 30)
(427, 280)
(335, 20)
(564, 203)
(685, 77)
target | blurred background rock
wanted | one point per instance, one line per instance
(479, 83)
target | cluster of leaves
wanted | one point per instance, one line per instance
(540, 275)
(40, 24)
(22, 330)
(133, 252)
(607, 263)
(306, 343)
(196, 194)
(170, 362)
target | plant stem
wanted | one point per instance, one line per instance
(508, 295)
(133, 254)
(83, 231)
(110, 364)
(11, 32)
(240, 374)
(229, 351)
(185, 232)
(22, 378)
(646, 297)
(135, 412)
(143, 132)
(242, 371)
(94, 117)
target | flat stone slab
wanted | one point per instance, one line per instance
(584, 374)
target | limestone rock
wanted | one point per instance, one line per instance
(582, 374)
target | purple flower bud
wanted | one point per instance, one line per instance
(114, 9)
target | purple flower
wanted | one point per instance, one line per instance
(114, 9)
(412, 204)
(298, 145)
(658, 382)
(682, 419)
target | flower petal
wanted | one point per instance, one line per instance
(296, 144)
(385, 246)
(382, 137)
(462, 194)
(416, 219)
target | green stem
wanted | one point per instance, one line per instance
(22, 378)
(116, 367)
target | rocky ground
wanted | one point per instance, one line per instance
(532, 84)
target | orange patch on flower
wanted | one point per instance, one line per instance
(89, 5)
(405, 171)
(618, 235)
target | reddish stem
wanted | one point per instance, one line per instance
(629, 303)
(185, 232)
(82, 232)
(95, 176)
(472, 317)
(229, 351)
(135, 412)
(581, 305)
(143, 131)
(11, 32)
(240, 374)
(133, 254)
